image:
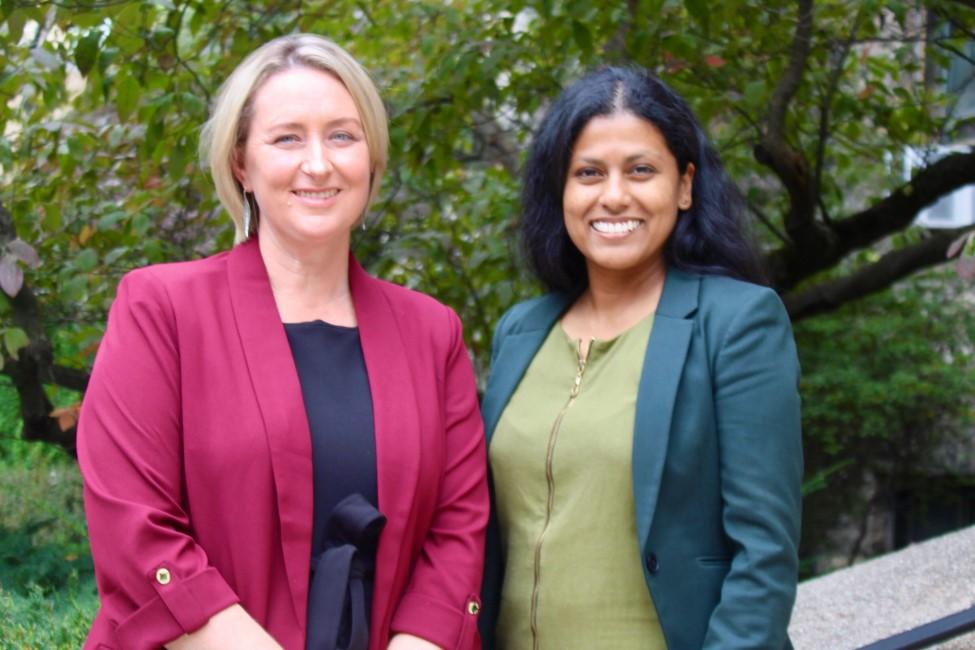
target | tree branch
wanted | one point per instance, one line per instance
(899, 209)
(34, 366)
(773, 149)
(70, 378)
(827, 101)
(763, 218)
(789, 83)
(881, 274)
(790, 265)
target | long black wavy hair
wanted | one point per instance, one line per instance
(710, 237)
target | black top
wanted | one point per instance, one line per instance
(335, 389)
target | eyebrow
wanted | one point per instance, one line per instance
(629, 159)
(330, 124)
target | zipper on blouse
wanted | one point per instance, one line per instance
(550, 480)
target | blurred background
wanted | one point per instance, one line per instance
(848, 125)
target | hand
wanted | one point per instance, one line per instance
(410, 642)
(230, 628)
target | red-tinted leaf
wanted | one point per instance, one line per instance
(67, 416)
(90, 349)
(866, 92)
(966, 268)
(714, 61)
(958, 245)
(24, 252)
(11, 276)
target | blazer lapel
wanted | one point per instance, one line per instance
(663, 366)
(275, 380)
(396, 421)
(518, 348)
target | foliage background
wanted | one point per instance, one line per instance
(810, 104)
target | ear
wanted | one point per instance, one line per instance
(237, 166)
(685, 191)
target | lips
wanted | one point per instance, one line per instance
(615, 227)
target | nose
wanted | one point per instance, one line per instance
(316, 161)
(615, 196)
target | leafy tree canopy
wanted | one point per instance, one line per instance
(811, 105)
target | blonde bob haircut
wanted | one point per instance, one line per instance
(226, 130)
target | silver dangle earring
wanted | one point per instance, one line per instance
(247, 216)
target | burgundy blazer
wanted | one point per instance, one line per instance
(196, 455)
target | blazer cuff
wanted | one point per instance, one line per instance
(450, 627)
(180, 606)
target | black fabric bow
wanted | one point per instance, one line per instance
(337, 607)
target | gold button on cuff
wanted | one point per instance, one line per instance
(473, 608)
(163, 576)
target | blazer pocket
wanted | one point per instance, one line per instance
(721, 561)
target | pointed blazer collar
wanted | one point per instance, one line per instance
(272, 371)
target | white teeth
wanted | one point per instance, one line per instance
(615, 226)
(316, 195)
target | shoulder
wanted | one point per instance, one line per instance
(410, 301)
(176, 277)
(538, 312)
(420, 317)
(728, 309)
(726, 295)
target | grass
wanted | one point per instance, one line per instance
(47, 587)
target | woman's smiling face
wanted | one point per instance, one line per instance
(622, 194)
(305, 158)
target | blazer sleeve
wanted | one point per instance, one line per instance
(154, 581)
(441, 600)
(755, 375)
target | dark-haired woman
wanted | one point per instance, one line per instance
(642, 417)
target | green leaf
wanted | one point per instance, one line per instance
(74, 288)
(754, 91)
(127, 91)
(15, 23)
(15, 339)
(86, 51)
(581, 35)
(700, 12)
(85, 261)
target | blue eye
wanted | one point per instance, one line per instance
(344, 136)
(286, 139)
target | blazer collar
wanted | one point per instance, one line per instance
(275, 381)
(663, 368)
(397, 426)
(680, 295)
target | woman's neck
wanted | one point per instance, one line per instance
(614, 302)
(309, 282)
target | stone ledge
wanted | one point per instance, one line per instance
(893, 593)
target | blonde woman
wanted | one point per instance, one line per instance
(278, 449)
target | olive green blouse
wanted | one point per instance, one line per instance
(561, 462)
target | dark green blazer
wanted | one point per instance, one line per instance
(717, 458)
